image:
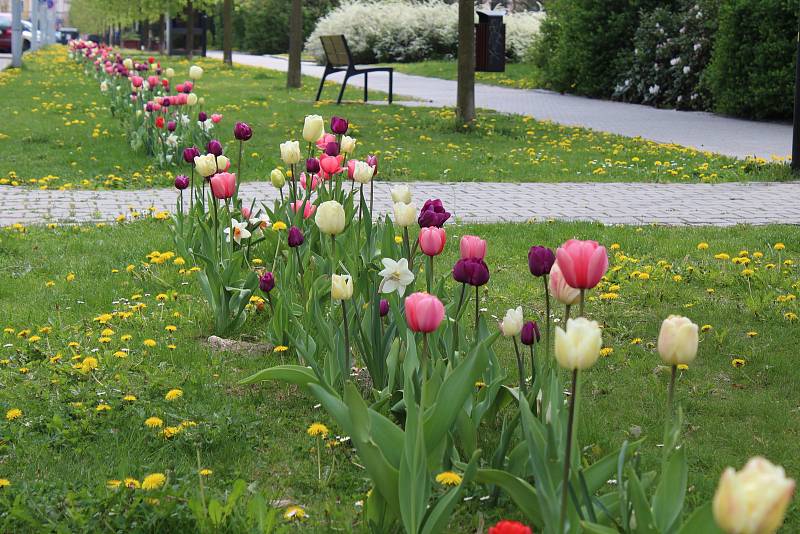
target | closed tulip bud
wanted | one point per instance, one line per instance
(332, 148)
(214, 147)
(404, 214)
(190, 153)
(559, 289)
(530, 334)
(202, 116)
(583, 263)
(223, 185)
(401, 193)
(432, 240)
(348, 145)
(195, 72)
(362, 173)
(372, 161)
(511, 325)
(677, 340)
(330, 218)
(339, 125)
(206, 165)
(424, 312)
(471, 271)
(290, 152)
(191, 99)
(540, 260)
(242, 131)
(277, 178)
(128, 63)
(295, 237)
(171, 125)
(341, 287)
(433, 214)
(312, 165)
(472, 246)
(170, 72)
(181, 182)
(223, 163)
(383, 308)
(313, 128)
(266, 282)
(753, 500)
(579, 346)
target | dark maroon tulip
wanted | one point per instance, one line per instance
(171, 125)
(190, 153)
(339, 125)
(202, 116)
(165, 102)
(372, 161)
(295, 237)
(312, 165)
(266, 282)
(471, 271)
(181, 182)
(433, 214)
(530, 333)
(332, 148)
(214, 147)
(540, 260)
(148, 107)
(384, 308)
(242, 131)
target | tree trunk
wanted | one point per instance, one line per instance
(227, 32)
(190, 30)
(161, 32)
(465, 99)
(295, 44)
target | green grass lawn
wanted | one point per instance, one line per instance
(85, 393)
(51, 109)
(517, 75)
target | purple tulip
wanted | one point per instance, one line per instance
(295, 237)
(471, 271)
(165, 102)
(312, 165)
(383, 308)
(540, 260)
(214, 147)
(339, 125)
(332, 149)
(190, 153)
(372, 161)
(266, 282)
(171, 125)
(148, 107)
(242, 131)
(433, 214)
(181, 182)
(202, 116)
(530, 333)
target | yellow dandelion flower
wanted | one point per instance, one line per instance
(104, 340)
(132, 483)
(4, 483)
(120, 354)
(172, 431)
(606, 351)
(790, 316)
(153, 422)
(722, 256)
(206, 472)
(113, 483)
(738, 362)
(644, 276)
(683, 366)
(179, 261)
(34, 339)
(280, 348)
(636, 341)
(779, 246)
(13, 413)
(89, 363)
(317, 429)
(161, 297)
(294, 512)
(154, 481)
(677, 278)
(149, 343)
(103, 408)
(747, 272)
(278, 226)
(70, 277)
(702, 246)
(173, 394)
(170, 328)
(752, 334)
(398, 239)
(129, 398)
(706, 328)
(448, 478)
(126, 338)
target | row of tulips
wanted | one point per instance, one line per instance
(159, 115)
(413, 380)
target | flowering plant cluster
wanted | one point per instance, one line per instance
(159, 115)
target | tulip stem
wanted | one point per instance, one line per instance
(477, 310)
(521, 368)
(580, 308)
(533, 363)
(371, 182)
(671, 390)
(429, 276)
(238, 175)
(191, 196)
(299, 264)
(407, 243)
(547, 318)
(567, 309)
(568, 451)
(426, 355)
(346, 370)
(333, 255)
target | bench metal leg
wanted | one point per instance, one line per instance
(366, 77)
(321, 83)
(391, 76)
(341, 91)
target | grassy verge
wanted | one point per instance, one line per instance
(51, 109)
(71, 296)
(516, 75)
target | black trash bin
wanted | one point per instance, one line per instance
(490, 41)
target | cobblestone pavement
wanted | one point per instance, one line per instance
(609, 203)
(706, 131)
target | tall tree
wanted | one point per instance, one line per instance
(465, 98)
(295, 44)
(227, 32)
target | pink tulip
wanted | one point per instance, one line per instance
(152, 81)
(179, 88)
(472, 247)
(314, 181)
(431, 240)
(245, 212)
(559, 288)
(137, 81)
(223, 185)
(330, 164)
(424, 312)
(308, 211)
(351, 168)
(323, 141)
(216, 117)
(583, 263)
(187, 87)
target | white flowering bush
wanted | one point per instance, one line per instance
(400, 30)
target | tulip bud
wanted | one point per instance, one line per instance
(677, 340)
(362, 173)
(181, 182)
(372, 161)
(195, 72)
(401, 193)
(312, 165)
(383, 308)
(170, 72)
(433, 214)
(191, 99)
(348, 145)
(471, 271)
(424, 312)
(295, 237)
(432, 240)
(472, 246)
(540, 260)
(332, 148)
(583, 263)
(277, 178)
(330, 218)
(266, 282)
(341, 287)
(579, 346)
(223, 163)
(242, 131)
(404, 214)
(339, 125)
(753, 500)
(206, 165)
(511, 325)
(530, 333)
(560, 290)
(313, 128)
(202, 116)
(190, 153)
(214, 147)
(290, 152)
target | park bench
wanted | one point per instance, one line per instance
(339, 59)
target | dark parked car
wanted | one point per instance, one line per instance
(65, 35)
(5, 33)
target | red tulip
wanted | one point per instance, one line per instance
(223, 185)
(472, 247)
(509, 527)
(432, 240)
(159, 122)
(424, 312)
(330, 164)
(583, 263)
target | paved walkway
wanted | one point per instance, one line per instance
(5, 60)
(610, 203)
(706, 131)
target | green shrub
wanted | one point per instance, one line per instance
(752, 69)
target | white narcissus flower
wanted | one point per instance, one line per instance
(396, 276)
(404, 214)
(261, 223)
(240, 231)
(172, 140)
(401, 193)
(103, 86)
(511, 325)
(579, 346)
(313, 128)
(362, 172)
(290, 152)
(348, 144)
(677, 340)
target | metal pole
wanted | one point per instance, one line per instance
(34, 24)
(16, 33)
(796, 125)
